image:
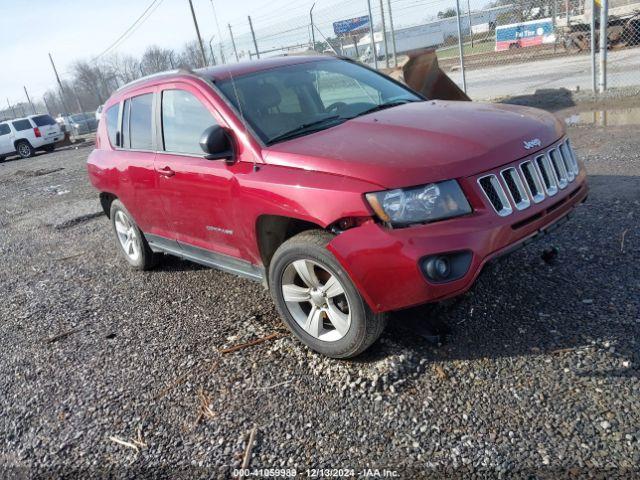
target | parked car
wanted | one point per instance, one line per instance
(82, 123)
(26, 135)
(343, 191)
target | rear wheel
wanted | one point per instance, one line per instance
(317, 299)
(130, 239)
(24, 149)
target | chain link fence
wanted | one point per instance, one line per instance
(492, 49)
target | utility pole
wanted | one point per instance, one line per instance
(313, 33)
(215, 18)
(13, 112)
(233, 43)
(195, 23)
(393, 35)
(469, 17)
(604, 21)
(373, 42)
(64, 104)
(460, 50)
(46, 105)
(594, 80)
(566, 6)
(29, 100)
(213, 57)
(253, 34)
(384, 35)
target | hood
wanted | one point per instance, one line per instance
(421, 142)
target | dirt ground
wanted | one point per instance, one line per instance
(108, 372)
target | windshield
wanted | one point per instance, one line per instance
(296, 100)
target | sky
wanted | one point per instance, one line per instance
(81, 30)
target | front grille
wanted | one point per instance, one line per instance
(533, 181)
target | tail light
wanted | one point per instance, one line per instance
(37, 132)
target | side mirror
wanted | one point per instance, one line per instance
(217, 144)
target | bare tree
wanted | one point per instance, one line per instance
(89, 79)
(156, 59)
(191, 56)
(124, 67)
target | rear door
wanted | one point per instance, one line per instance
(134, 160)
(196, 192)
(48, 127)
(6, 139)
(24, 129)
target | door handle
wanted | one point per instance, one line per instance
(166, 172)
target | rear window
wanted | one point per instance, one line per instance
(140, 137)
(43, 120)
(21, 125)
(111, 116)
(4, 129)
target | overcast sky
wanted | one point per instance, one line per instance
(82, 29)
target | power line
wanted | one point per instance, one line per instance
(131, 29)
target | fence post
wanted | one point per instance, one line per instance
(393, 35)
(384, 35)
(604, 20)
(233, 43)
(594, 82)
(373, 42)
(253, 34)
(460, 49)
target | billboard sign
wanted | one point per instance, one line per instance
(351, 25)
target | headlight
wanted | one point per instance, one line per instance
(435, 201)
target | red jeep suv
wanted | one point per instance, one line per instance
(344, 192)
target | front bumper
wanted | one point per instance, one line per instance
(384, 264)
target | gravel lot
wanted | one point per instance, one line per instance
(538, 376)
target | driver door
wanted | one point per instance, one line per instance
(195, 192)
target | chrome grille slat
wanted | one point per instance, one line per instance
(495, 194)
(567, 162)
(515, 187)
(533, 182)
(558, 168)
(547, 174)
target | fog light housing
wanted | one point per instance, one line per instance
(446, 267)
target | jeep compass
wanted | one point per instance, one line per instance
(347, 194)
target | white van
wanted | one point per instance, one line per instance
(26, 135)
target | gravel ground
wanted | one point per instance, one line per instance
(538, 376)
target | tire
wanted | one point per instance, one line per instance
(358, 327)
(49, 148)
(24, 149)
(137, 253)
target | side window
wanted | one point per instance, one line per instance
(111, 117)
(184, 119)
(140, 134)
(21, 125)
(4, 129)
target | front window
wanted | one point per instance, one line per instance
(184, 119)
(295, 100)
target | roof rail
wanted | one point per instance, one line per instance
(156, 75)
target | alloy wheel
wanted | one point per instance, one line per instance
(316, 300)
(127, 236)
(24, 150)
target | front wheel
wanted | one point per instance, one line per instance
(317, 299)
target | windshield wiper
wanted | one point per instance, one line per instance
(384, 106)
(307, 128)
